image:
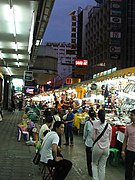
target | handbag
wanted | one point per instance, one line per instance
(36, 158)
(100, 134)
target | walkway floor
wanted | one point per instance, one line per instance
(16, 157)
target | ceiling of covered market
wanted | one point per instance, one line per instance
(16, 19)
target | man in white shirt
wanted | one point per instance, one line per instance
(49, 152)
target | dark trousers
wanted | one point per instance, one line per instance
(129, 164)
(62, 168)
(89, 159)
(69, 134)
(59, 141)
(1, 114)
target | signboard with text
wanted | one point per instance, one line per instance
(81, 62)
(28, 75)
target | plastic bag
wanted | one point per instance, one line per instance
(38, 146)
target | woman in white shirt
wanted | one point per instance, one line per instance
(100, 151)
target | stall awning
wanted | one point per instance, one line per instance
(119, 73)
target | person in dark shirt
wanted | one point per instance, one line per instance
(69, 127)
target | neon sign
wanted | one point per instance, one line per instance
(81, 62)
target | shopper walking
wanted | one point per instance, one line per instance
(128, 148)
(87, 137)
(100, 151)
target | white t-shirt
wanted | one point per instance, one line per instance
(44, 127)
(46, 151)
(87, 133)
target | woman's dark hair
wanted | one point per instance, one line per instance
(57, 124)
(55, 112)
(92, 114)
(101, 115)
(49, 119)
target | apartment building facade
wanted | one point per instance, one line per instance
(109, 36)
(128, 34)
(65, 60)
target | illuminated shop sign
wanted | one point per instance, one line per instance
(81, 62)
(107, 72)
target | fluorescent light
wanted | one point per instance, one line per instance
(18, 64)
(8, 71)
(41, 41)
(17, 82)
(13, 20)
(37, 42)
(17, 57)
(31, 34)
(16, 46)
(1, 56)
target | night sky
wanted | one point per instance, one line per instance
(59, 26)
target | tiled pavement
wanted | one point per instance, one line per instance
(15, 157)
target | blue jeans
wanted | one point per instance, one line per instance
(69, 134)
(129, 163)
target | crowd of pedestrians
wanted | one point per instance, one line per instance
(97, 136)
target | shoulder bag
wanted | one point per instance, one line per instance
(100, 134)
(37, 156)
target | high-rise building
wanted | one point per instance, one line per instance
(128, 34)
(109, 36)
(101, 36)
(81, 71)
(65, 59)
(81, 31)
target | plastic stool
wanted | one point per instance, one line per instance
(24, 133)
(114, 156)
(47, 172)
